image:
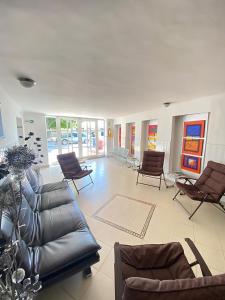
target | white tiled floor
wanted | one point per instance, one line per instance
(169, 223)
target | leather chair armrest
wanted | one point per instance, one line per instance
(204, 288)
(199, 260)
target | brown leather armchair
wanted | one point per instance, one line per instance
(152, 166)
(209, 187)
(72, 170)
(162, 272)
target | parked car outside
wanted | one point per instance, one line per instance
(72, 138)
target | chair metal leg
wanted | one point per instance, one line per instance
(87, 272)
(223, 208)
(137, 179)
(165, 180)
(76, 187)
(195, 210)
(176, 195)
(91, 179)
(160, 180)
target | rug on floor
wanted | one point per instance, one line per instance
(127, 214)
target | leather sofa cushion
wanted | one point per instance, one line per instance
(32, 198)
(41, 227)
(204, 288)
(49, 187)
(55, 198)
(33, 176)
(59, 221)
(46, 200)
(66, 250)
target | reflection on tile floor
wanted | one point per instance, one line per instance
(169, 223)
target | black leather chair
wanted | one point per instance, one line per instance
(56, 241)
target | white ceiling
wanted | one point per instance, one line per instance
(111, 57)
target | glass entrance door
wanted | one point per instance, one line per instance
(88, 130)
(85, 137)
(69, 136)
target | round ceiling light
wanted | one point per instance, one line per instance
(167, 104)
(27, 82)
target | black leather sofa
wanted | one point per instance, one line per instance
(56, 240)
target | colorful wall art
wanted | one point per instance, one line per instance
(132, 139)
(152, 136)
(191, 163)
(192, 146)
(194, 129)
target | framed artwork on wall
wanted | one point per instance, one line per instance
(191, 163)
(132, 139)
(152, 136)
(192, 146)
(194, 129)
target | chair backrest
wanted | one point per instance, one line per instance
(212, 180)
(69, 164)
(153, 161)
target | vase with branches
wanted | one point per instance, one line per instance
(13, 281)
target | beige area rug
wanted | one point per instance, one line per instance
(126, 214)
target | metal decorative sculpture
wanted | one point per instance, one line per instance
(13, 281)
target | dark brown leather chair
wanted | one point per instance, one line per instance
(162, 272)
(152, 166)
(209, 187)
(72, 170)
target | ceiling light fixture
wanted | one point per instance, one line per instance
(166, 104)
(27, 82)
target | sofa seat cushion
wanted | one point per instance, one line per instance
(49, 187)
(65, 251)
(59, 221)
(54, 198)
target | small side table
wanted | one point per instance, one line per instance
(174, 176)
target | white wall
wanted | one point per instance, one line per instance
(215, 145)
(10, 111)
(35, 122)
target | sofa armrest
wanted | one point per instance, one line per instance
(204, 288)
